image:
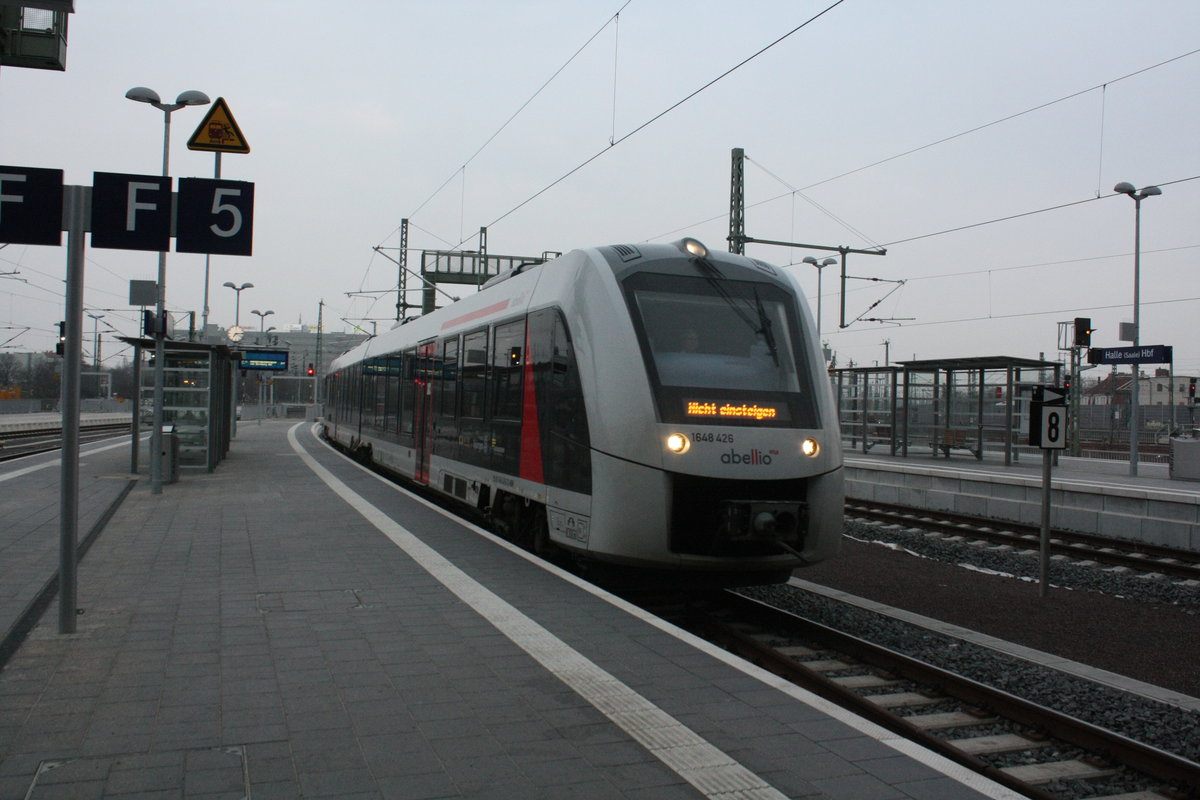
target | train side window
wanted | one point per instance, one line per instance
(408, 390)
(356, 395)
(564, 428)
(474, 373)
(378, 368)
(507, 368)
(448, 379)
(393, 393)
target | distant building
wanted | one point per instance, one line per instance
(1159, 389)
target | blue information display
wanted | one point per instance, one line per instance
(274, 360)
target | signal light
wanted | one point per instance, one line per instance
(1192, 389)
(1083, 331)
(311, 371)
(61, 346)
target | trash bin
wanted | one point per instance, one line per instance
(1185, 459)
(170, 454)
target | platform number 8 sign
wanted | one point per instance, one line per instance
(1054, 424)
(1048, 418)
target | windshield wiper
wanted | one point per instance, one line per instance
(765, 327)
(763, 324)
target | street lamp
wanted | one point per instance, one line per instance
(237, 309)
(262, 319)
(191, 97)
(1138, 195)
(820, 265)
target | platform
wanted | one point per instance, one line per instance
(18, 423)
(291, 625)
(1087, 495)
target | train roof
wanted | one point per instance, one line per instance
(514, 285)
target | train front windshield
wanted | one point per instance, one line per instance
(722, 351)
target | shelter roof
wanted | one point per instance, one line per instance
(976, 362)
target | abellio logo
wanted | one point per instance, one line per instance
(754, 457)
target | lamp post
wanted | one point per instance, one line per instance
(820, 265)
(262, 318)
(237, 308)
(1138, 195)
(191, 97)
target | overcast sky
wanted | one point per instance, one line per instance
(908, 125)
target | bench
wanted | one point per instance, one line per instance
(956, 438)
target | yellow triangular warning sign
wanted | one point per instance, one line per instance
(219, 132)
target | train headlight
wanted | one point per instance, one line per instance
(810, 447)
(678, 443)
(693, 247)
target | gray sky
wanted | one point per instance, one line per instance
(357, 112)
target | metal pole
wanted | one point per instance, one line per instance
(135, 427)
(1134, 421)
(1044, 566)
(737, 202)
(207, 258)
(1171, 395)
(319, 366)
(820, 272)
(156, 454)
(75, 202)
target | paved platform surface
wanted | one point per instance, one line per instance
(291, 626)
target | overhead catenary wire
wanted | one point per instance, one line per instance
(943, 140)
(1004, 119)
(611, 20)
(797, 192)
(1025, 214)
(665, 112)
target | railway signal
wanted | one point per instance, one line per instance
(1083, 331)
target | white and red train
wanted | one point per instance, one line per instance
(654, 406)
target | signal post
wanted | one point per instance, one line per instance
(1048, 420)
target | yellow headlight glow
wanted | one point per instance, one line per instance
(810, 447)
(678, 443)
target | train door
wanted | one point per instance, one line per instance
(423, 409)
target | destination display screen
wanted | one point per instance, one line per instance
(275, 360)
(735, 411)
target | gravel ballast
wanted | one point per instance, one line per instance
(922, 574)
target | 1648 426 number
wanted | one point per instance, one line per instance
(708, 436)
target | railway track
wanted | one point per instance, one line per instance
(44, 440)
(1038, 751)
(1172, 562)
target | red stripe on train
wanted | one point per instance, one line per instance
(531, 433)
